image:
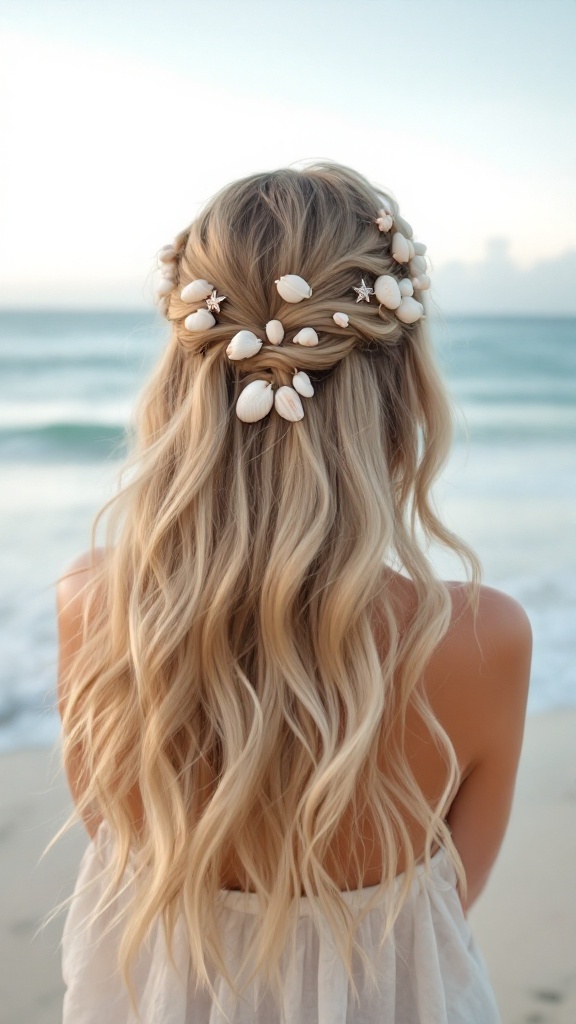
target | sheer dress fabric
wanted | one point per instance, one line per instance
(428, 972)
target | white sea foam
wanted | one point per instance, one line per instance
(28, 415)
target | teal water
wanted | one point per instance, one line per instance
(67, 385)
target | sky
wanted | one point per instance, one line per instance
(120, 118)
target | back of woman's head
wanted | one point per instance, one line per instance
(230, 671)
(375, 386)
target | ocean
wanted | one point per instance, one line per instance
(68, 381)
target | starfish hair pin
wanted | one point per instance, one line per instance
(364, 292)
(213, 301)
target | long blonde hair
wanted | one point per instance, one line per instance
(229, 671)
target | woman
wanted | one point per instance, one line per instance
(293, 746)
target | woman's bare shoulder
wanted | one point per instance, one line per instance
(72, 582)
(71, 590)
(496, 610)
(478, 676)
(499, 622)
(493, 633)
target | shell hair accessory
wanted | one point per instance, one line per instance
(257, 398)
(394, 294)
(385, 218)
(197, 291)
(166, 272)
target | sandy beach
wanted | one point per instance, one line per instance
(525, 922)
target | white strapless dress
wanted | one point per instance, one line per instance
(429, 971)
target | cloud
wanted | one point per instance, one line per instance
(497, 285)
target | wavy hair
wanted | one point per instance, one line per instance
(229, 672)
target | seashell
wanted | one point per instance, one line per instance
(255, 401)
(387, 291)
(400, 248)
(165, 286)
(201, 320)
(243, 345)
(384, 221)
(403, 226)
(293, 288)
(419, 248)
(302, 384)
(196, 290)
(307, 337)
(417, 265)
(411, 248)
(288, 404)
(421, 283)
(406, 287)
(167, 270)
(166, 254)
(341, 319)
(274, 332)
(409, 310)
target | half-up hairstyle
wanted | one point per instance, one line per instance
(229, 672)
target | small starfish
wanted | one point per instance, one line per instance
(214, 300)
(364, 292)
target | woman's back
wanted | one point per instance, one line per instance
(476, 682)
(429, 970)
(252, 698)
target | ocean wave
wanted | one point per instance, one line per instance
(525, 420)
(58, 440)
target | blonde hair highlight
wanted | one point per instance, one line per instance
(229, 671)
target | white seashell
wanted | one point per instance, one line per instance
(387, 291)
(165, 286)
(403, 226)
(400, 248)
(196, 290)
(274, 332)
(421, 283)
(166, 254)
(409, 310)
(167, 270)
(411, 249)
(307, 337)
(406, 287)
(243, 345)
(255, 401)
(417, 265)
(419, 248)
(293, 288)
(288, 404)
(201, 320)
(302, 384)
(341, 319)
(384, 221)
